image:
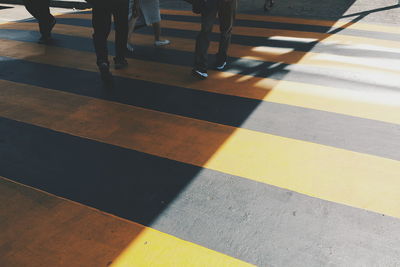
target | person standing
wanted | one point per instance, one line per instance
(210, 9)
(40, 10)
(102, 13)
(149, 11)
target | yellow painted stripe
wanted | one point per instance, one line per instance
(333, 174)
(327, 38)
(94, 238)
(344, 23)
(153, 248)
(264, 53)
(268, 33)
(383, 106)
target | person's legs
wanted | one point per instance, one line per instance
(32, 7)
(101, 21)
(157, 34)
(120, 14)
(131, 26)
(40, 10)
(226, 15)
(202, 40)
(46, 20)
(157, 31)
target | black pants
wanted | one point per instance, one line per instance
(39, 9)
(101, 20)
(226, 11)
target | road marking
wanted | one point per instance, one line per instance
(344, 24)
(311, 37)
(333, 174)
(383, 106)
(51, 217)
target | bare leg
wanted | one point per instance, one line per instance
(131, 28)
(157, 31)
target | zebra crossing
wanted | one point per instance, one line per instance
(291, 153)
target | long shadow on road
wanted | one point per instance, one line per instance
(132, 166)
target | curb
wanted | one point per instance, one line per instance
(54, 3)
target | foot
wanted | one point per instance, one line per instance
(130, 47)
(199, 74)
(120, 63)
(105, 73)
(44, 39)
(268, 6)
(161, 42)
(220, 65)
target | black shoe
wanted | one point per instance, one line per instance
(120, 63)
(44, 39)
(105, 73)
(268, 6)
(199, 74)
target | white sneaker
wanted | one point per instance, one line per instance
(199, 74)
(221, 67)
(161, 42)
(130, 47)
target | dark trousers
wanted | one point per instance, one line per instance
(39, 9)
(101, 20)
(226, 11)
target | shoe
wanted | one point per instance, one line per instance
(220, 66)
(105, 73)
(120, 63)
(44, 39)
(268, 6)
(161, 42)
(200, 74)
(130, 47)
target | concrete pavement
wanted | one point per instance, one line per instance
(288, 157)
(382, 11)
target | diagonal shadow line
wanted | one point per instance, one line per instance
(364, 13)
(156, 194)
(278, 68)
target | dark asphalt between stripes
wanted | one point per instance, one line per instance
(183, 200)
(256, 41)
(271, 226)
(351, 133)
(325, 76)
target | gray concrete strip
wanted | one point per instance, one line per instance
(353, 76)
(326, 128)
(254, 222)
(379, 12)
(12, 13)
(78, 4)
(269, 226)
